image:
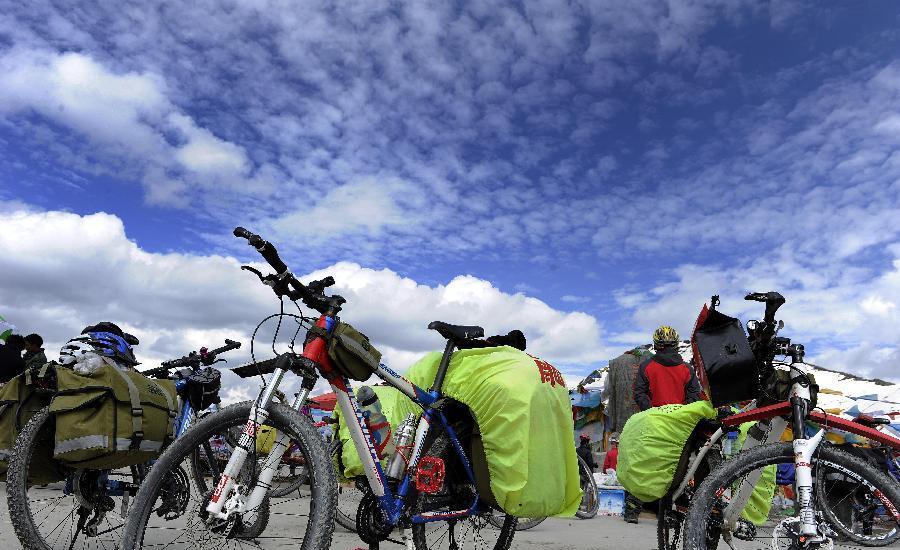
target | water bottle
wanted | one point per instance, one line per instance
(379, 427)
(728, 446)
(400, 460)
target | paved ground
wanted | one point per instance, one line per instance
(554, 534)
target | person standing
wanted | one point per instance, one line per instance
(664, 378)
(34, 353)
(11, 362)
(611, 460)
(618, 391)
(584, 451)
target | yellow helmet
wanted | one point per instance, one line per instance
(665, 336)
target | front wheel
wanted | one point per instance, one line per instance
(170, 511)
(858, 478)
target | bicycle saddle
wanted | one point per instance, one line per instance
(456, 332)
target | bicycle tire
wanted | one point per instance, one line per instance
(698, 522)
(590, 503)
(320, 525)
(524, 524)
(23, 520)
(831, 515)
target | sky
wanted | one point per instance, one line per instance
(582, 171)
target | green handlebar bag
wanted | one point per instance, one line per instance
(351, 352)
(112, 418)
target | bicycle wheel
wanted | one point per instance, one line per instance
(172, 513)
(288, 479)
(348, 499)
(590, 503)
(705, 515)
(497, 518)
(856, 514)
(474, 531)
(86, 510)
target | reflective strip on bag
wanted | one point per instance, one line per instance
(81, 443)
(102, 441)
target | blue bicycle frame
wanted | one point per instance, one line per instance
(393, 503)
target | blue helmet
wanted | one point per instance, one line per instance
(114, 346)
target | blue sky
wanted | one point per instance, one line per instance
(617, 161)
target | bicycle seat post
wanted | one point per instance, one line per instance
(442, 368)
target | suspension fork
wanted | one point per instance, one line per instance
(273, 459)
(259, 413)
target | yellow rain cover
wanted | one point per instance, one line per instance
(525, 417)
(523, 410)
(651, 444)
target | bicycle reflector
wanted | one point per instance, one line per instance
(430, 474)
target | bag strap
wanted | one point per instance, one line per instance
(137, 411)
(170, 426)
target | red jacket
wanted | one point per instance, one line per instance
(612, 459)
(665, 379)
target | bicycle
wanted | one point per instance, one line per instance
(94, 503)
(438, 454)
(716, 506)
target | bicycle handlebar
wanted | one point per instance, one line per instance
(193, 359)
(285, 284)
(773, 301)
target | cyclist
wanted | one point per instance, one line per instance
(664, 378)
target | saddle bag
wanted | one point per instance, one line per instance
(351, 353)
(20, 399)
(112, 418)
(724, 363)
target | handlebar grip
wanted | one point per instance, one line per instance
(264, 247)
(229, 345)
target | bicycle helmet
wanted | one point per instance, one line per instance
(77, 350)
(665, 336)
(114, 346)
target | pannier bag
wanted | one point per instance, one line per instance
(351, 352)
(650, 446)
(725, 364)
(523, 424)
(20, 399)
(523, 446)
(111, 418)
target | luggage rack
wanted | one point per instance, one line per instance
(255, 369)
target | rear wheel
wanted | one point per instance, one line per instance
(173, 514)
(714, 494)
(86, 509)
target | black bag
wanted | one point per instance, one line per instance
(724, 362)
(352, 354)
(203, 388)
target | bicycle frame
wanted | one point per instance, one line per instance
(391, 503)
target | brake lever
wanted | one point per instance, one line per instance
(255, 271)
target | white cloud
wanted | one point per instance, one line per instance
(88, 270)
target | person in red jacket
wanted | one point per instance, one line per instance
(664, 378)
(612, 456)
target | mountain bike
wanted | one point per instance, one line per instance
(716, 506)
(89, 506)
(436, 499)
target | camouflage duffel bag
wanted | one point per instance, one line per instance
(112, 418)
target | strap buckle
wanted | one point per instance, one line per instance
(137, 411)
(136, 439)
